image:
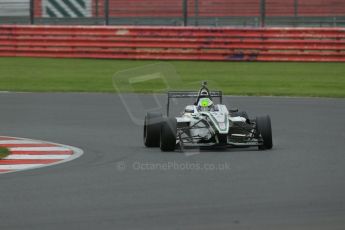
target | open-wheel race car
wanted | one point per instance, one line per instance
(206, 124)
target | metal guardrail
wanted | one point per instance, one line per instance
(249, 13)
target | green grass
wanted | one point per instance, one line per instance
(4, 152)
(235, 78)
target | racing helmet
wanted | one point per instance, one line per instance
(205, 104)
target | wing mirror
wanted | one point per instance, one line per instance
(233, 110)
(189, 109)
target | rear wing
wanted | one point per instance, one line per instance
(191, 94)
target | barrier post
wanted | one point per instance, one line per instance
(96, 6)
(106, 12)
(196, 12)
(32, 12)
(262, 13)
(185, 12)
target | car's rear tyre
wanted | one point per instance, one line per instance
(168, 135)
(263, 127)
(152, 128)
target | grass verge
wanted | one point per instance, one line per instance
(235, 78)
(4, 152)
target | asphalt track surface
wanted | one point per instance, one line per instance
(299, 184)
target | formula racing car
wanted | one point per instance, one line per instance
(206, 123)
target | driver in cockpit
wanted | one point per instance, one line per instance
(204, 101)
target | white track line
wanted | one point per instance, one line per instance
(20, 167)
(38, 149)
(36, 157)
(6, 142)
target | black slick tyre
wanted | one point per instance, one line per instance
(263, 127)
(168, 135)
(152, 128)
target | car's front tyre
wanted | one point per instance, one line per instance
(152, 128)
(168, 135)
(263, 127)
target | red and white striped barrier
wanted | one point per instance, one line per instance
(174, 43)
(30, 154)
